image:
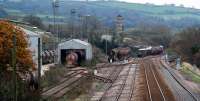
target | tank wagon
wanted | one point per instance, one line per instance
(155, 50)
(48, 56)
(119, 54)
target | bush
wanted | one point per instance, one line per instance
(186, 44)
(53, 76)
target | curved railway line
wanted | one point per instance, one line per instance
(64, 86)
(113, 76)
(180, 91)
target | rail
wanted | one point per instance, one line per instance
(175, 78)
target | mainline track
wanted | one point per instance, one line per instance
(153, 85)
(156, 88)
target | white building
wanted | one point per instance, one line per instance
(33, 38)
(107, 37)
(75, 45)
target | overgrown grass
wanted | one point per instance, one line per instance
(53, 76)
(79, 93)
(89, 64)
(192, 75)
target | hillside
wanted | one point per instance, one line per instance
(134, 14)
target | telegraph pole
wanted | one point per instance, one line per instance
(80, 26)
(106, 42)
(14, 66)
(73, 12)
(39, 62)
(55, 5)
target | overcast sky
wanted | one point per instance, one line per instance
(186, 3)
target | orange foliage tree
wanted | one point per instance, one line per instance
(23, 55)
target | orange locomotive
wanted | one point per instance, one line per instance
(72, 58)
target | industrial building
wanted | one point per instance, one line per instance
(33, 39)
(81, 48)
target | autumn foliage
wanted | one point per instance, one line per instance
(23, 55)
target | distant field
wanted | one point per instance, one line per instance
(167, 12)
(148, 7)
(19, 13)
(106, 11)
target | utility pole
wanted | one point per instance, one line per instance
(80, 26)
(106, 47)
(106, 41)
(73, 12)
(14, 66)
(39, 62)
(55, 5)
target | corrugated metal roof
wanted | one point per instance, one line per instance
(30, 33)
(76, 40)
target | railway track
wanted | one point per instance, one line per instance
(112, 75)
(128, 92)
(65, 85)
(122, 88)
(133, 84)
(153, 86)
(156, 89)
(182, 90)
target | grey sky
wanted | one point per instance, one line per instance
(186, 3)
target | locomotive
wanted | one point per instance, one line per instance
(119, 54)
(74, 58)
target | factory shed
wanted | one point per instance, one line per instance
(81, 48)
(32, 38)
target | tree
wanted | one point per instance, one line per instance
(155, 33)
(187, 44)
(23, 60)
(34, 20)
(23, 55)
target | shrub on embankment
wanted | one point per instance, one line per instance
(187, 45)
